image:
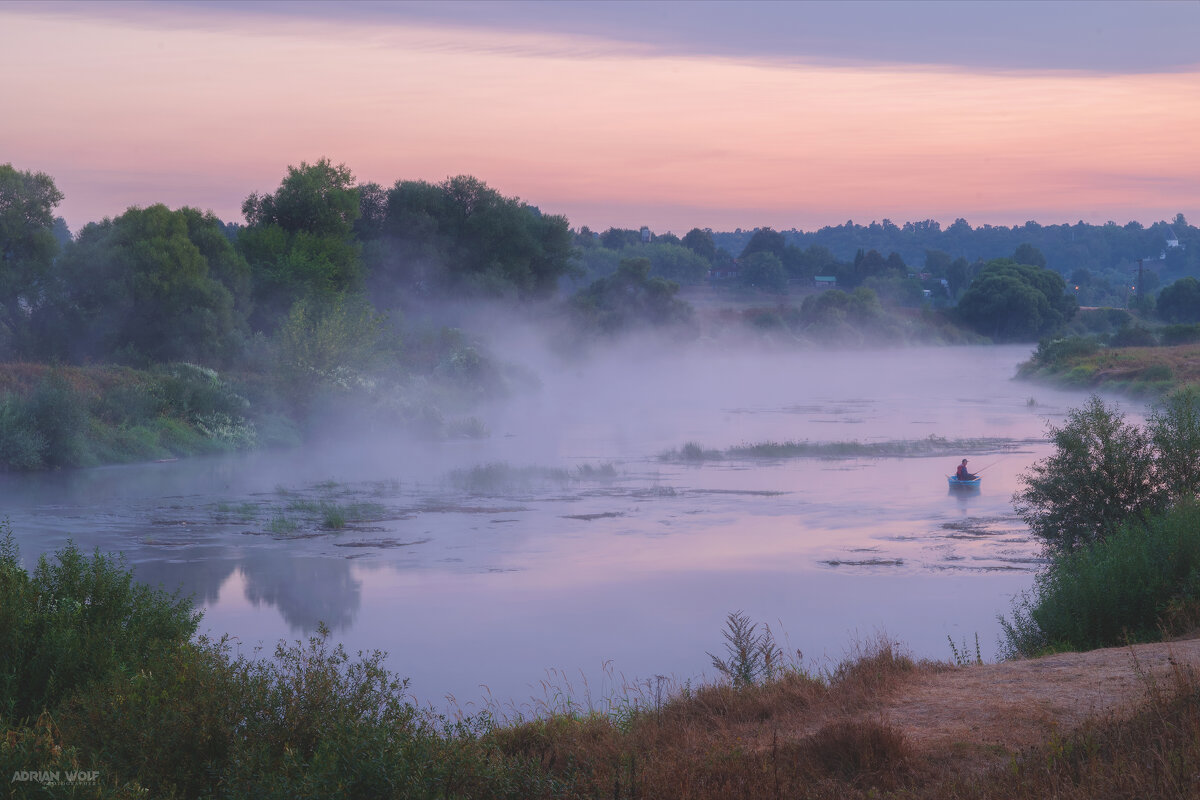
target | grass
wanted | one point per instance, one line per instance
(1136, 371)
(282, 525)
(499, 477)
(903, 448)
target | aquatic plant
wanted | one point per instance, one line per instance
(280, 524)
(901, 448)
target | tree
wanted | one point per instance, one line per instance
(764, 271)
(1175, 431)
(139, 288)
(701, 243)
(1016, 302)
(1028, 254)
(630, 297)
(765, 240)
(1101, 474)
(462, 236)
(320, 199)
(1180, 302)
(300, 240)
(27, 248)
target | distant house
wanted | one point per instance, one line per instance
(645, 235)
(825, 282)
(1172, 239)
(717, 275)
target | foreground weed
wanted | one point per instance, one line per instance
(753, 654)
(961, 657)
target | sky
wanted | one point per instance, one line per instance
(672, 115)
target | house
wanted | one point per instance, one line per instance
(825, 282)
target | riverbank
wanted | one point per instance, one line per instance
(1140, 372)
(139, 707)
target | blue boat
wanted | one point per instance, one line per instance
(955, 483)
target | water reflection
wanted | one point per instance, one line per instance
(305, 590)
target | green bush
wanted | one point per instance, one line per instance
(1133, 336)
(98, 673)
(74, 621)
(1101, 473)
(1180, 334)
(22, 446)
(1052, 352)
(60, 415)
(1122, 588)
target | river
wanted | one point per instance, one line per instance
(563, 556)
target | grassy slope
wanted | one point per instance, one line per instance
(1138, 371)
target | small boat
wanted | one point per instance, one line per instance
(955, 483)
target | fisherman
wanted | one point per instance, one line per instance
(962, 473)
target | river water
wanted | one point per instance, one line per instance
(563, 556)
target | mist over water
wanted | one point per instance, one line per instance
(565, 548)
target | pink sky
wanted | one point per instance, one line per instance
(141, 104)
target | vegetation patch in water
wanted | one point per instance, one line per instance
(500, 477)
(900, 448)
(868, 562)
(600, 515)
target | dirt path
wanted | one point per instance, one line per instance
(1002, 708)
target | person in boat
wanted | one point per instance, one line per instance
(962, 474)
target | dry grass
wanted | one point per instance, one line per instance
(882, 725)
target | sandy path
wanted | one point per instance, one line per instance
(1008, 706)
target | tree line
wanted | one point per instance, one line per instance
(155, 285)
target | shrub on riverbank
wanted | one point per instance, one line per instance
(1139, 582)
(100, 676)
(83, 416)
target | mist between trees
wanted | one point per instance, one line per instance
(336, 291)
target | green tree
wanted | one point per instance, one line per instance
(701, 243)
(138, 288)
(28, 246)
(319, 198)
(1180, 302)
(1174, 426)
(1016, 302)
(1101, 474)
(765, 240)
(462, 236)
(764, 271)
(1028, 254)
(631, 297)
(300, 240)
(675, 262)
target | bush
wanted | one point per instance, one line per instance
(1133, 336)
(74, 621)
(1174, 426)
(1125, 587)
(98, 673)
(1180, 334)
(1101, 474)
(22, 446)
(1052, 352)
(59, 415)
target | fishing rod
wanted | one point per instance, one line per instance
(989, 466)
